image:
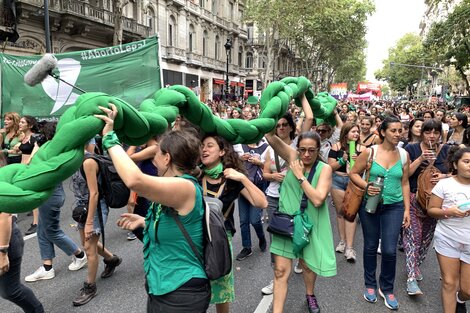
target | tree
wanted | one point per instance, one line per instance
(352, 70)
(448, 41)
(407, 51)
(118, 5)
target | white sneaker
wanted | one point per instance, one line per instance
(269, 289)
(298, 268)
(78, 263)
(40, 274)
(350, 255)
(340, 247)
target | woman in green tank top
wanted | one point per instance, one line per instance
(392, 213)
(318, 257)
(175, 279)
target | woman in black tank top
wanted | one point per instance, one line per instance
(367, 138)
(27, 129)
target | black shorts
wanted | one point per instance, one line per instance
(194, 297)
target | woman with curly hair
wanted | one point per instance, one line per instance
(10, 136)
(224, 177)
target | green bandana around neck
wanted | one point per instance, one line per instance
(214, 172)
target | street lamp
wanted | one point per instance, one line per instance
(228, 47)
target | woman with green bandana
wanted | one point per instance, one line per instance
(175, 279)
(225, 178)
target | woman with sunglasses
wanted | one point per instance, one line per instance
(317, 258)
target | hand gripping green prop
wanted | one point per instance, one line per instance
(24, 187)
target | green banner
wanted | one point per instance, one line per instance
(129, 71)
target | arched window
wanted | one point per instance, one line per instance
(150, 20)
(128, 10)
(217, 47)
(249, 60)
(240, 56)
(205, 41)
(261, 61)
(171, 31)
(191, 38)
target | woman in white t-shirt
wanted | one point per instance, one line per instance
(450, 204)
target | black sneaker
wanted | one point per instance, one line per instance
(246, 252)
(31, 230)
(263, 244)
(87, 293)
(110, 266)
(312, 304)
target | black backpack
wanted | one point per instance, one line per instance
(217, 258)
(111, 187)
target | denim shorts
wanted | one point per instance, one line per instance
(96, 220)
(451, 248)
(340, 182)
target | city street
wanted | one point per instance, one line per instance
(124, 292)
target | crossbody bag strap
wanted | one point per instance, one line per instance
(304, 201)
(278, 164)
(176, 217)
(206, 191)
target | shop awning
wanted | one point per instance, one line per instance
(219, 81)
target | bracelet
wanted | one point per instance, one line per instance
(110, 140)
(341, 161)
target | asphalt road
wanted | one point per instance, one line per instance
(124, 291)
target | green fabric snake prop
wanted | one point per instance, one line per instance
(25, 187)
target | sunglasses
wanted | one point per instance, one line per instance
(310, 150)
(282, 125)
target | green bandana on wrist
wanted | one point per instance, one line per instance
(110, 140)
(214, 172)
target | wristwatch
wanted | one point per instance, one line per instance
(301, 180)
(4, 250)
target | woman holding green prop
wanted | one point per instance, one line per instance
(175, 279)
(318, 257)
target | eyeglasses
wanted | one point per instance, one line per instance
(310, 150)
(282, 125)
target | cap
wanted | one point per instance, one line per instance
(252, 100)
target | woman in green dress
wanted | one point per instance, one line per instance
(318, 257)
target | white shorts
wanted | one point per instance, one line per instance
(451, 249)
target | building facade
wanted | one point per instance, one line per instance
(193, 36)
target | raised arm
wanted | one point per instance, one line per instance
(284, 151)
(308, 119)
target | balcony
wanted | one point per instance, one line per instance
(194, 8)
(208, 63)
(73, 13)
(233, 68)
(194, 59)
(174, 54)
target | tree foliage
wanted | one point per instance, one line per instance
(448, 41)
(328, 35)
(408, 50)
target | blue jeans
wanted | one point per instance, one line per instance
(11, 287)
(385, 224)
(249, 215)
(49, 232)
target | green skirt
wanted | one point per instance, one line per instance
(222, 289)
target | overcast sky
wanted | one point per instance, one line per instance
(391, 20)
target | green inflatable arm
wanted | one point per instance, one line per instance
(24, 187)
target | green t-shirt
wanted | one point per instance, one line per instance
(169, 261)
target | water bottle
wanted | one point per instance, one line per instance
(373, 201)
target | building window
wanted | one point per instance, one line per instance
(231, 11)
(201, 3)
(249, 30)
(249, 60)
(240, 56)
(262, 61)
(171, 31)
(191, 38)
(150, 20)
(214, 7)
(205, 40)
(128, 10)
(217, 47)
